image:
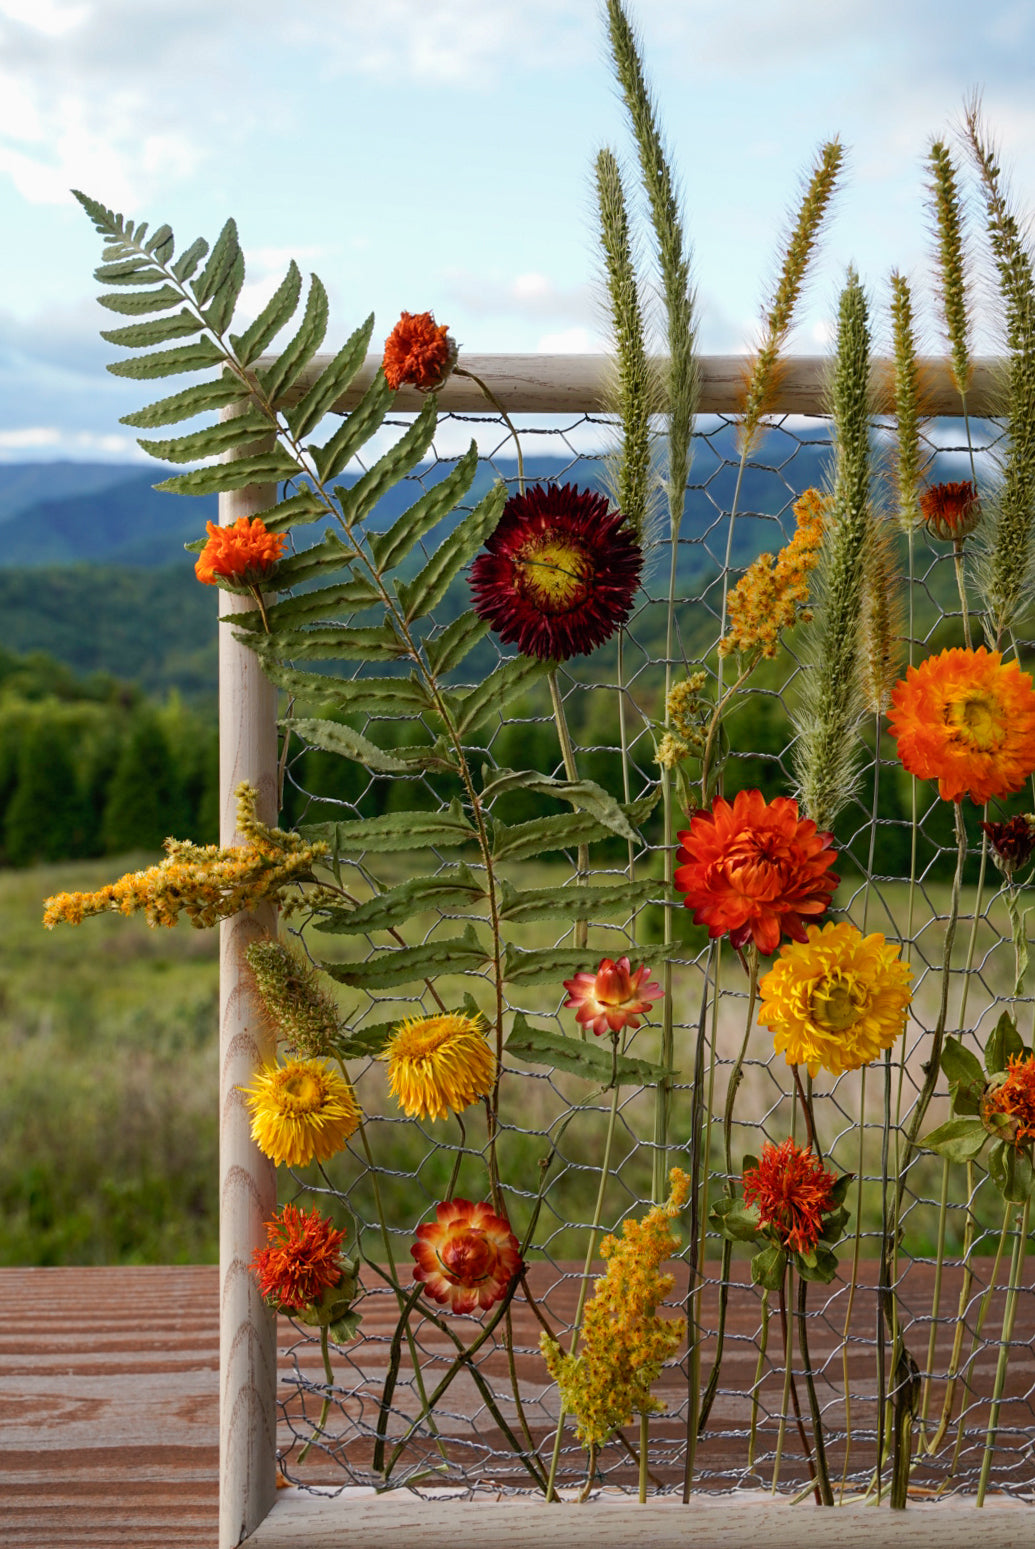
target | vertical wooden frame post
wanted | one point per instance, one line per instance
(247, 1179)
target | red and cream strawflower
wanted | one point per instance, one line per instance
(467, 1257)
(612, 998)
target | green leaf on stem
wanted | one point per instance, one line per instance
(566, 903)
(449, 648)
(280, 308)
(402, 965)
(391, 548)
(508, 682)
(1004, 1043)
(395, 831)
(379, 643)
(584, 794)
(331, 382)
(427, 589)
(958, 1139)
(199, 398)
(334, 737)
(264, 468)
(452, 889)
(734, 1219)
(592, 1061)
(768, 1267)
(358, 500)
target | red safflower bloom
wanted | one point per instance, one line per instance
(300, 1261)
(559, 574)
(1012, 842)
(753, 869)
(792, 1192)
(950, 511)
(966, 720)
(418, 352)
(467, 1257)
(244, 552)
(1014, 1098)
(613, 997)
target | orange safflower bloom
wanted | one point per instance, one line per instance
(966, 720)
(244, 552)
(613, 997)
(300, 1261)
(752, 869)
(418, 352)
(950, 511)
(467, 1257)
(1014, 1098)
(792, 1193)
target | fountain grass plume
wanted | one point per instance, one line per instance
(764, 375)
(1006, 553)
(633, 393)
(826, 755)
(951, 265)
(682, 380)
(906, 389)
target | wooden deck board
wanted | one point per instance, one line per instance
(109, 1397)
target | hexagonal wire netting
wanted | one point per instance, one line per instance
(950, 1295)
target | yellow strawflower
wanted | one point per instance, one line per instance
(301, 1111)
(439, 1065)
(624, 1342)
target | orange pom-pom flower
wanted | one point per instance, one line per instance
(418, 353)
(467, 1257)
(612, 998)
(301, 1260)
(792, 1192)
(965, 719)
(244, 552)
(752, 869)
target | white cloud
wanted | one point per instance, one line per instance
(47, 442)
(570, 341)
(532, 295)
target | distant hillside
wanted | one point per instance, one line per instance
(23, 485)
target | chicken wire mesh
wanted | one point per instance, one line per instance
(498, 1413)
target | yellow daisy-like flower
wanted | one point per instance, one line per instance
(439, 1065)
(301, 1111)
(836, 1000)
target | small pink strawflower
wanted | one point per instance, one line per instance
(613, 997)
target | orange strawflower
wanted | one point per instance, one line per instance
(418, 352)
(300, 1261)
(950, 511)
(768, 596)
(467, 1257)
(966, 720)
(752, 869)
(613, 997)
(1014, 1098)
(244, 552)
(792, 1193)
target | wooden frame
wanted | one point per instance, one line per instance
(251, 1508)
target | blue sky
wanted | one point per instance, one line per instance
(437, 153)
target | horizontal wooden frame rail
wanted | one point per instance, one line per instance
(249, 1501)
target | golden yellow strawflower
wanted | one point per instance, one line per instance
(202, 881)
(624, 1342)
(770, 596)
(439, 1065)
(837, 1000)
(302, 1111)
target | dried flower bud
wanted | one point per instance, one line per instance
(950, 511)
(1012, 842)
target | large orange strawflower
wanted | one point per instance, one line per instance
(792, 1193)
(753, 869)
(965, 719)
(1014, 1099)
(302, 1258)
(467, 1257)
(244, 552)
(418, 352)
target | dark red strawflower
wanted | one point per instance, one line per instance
(792, 1192)
(950, 511)
(559, 573)
(753, 869)
(300, 1261)
(1013, 842)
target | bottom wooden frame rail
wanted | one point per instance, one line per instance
(303, 1519)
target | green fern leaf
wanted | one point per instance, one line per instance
(449, 648)
(399, 904)
(549, 965)
(187, 262)
(568, 903)
(133, 270)
(592, 1061)
(327, 602)
(265, 468)
(196, 399)
(401, 965)
(213, 440)
(391, 548)
(297, 510)
(354, 431)
(380, 643)
(428, 588)
(187, 357)
(331, 382)
(161, 245)
(278, 377)
(333, 737)
(584, 794)
(332, 553)
(105, 221)
(360, 499)
(394, 831)
(248, 346)
(313, 688)
(160, 331)
(220, 312)
(396, 697)
(138, 303)
(511, 679)
(519, 841)
(220, 264)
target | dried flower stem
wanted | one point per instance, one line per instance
(1009, 1313)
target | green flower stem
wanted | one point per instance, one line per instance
(853, 1281)
(580, 931)
(961, 587)
(964, 1301)
(644, 1424)
(785, 1402)
(1021, 958)
(789, 1382)
(979, 1325)
(736, 1077)
(329, 1374)
(826, 1494)
(936, 1307)
(696, 1228)
(504, 416)
(763, 1341)
(392, 1376)
(1009, 1313)
(591, 1248)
